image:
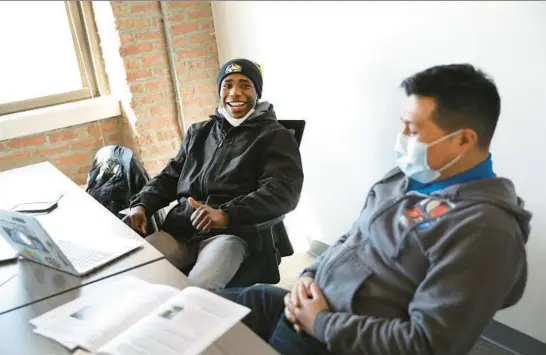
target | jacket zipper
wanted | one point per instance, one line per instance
(387, 204)
(212, 162)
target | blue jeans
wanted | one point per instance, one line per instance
(267, 320)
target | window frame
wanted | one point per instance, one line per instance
(87, 49)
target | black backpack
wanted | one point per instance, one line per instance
(116, 176)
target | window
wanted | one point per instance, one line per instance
(46, 54)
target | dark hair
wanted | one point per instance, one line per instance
(464, 95)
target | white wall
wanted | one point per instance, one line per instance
(339, 64)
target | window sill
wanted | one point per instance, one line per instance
(59, 116)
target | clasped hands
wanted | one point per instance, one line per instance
(303, 303)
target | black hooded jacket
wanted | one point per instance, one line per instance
(253, 172)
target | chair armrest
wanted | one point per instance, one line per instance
(259, 226)
(125, 212)
(247, 228)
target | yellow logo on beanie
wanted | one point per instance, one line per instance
(234, 68)
(259, 67)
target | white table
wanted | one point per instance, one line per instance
(17, 337)
(29, 282)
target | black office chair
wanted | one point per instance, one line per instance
(264, 267)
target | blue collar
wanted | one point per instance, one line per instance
(481, 171)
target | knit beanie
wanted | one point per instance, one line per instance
(242, 66)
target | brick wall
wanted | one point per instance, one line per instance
(70, 149)
(156, 134)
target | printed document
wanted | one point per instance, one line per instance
(134, 317)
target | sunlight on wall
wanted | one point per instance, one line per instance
(114, 66)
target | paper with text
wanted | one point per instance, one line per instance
(186, 324)
(92, 321)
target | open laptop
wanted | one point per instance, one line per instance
(31, 241)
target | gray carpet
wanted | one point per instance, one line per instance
(486, 348)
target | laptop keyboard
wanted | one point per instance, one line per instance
(82, 258)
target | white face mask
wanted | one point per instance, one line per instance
(234, 121)
(412, 158)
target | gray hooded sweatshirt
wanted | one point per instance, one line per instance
(423, 274)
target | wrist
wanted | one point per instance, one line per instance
(231, 214)
(225, 217)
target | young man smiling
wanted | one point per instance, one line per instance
(239, 168)
(437, 250)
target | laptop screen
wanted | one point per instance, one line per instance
(30, 240)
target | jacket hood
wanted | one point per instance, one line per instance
(497, 191)
(263, 111)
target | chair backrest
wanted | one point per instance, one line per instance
(296, 126)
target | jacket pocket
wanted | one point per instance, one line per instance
(342, 276)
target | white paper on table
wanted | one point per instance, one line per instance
(7, 276)
(128, 282)
(91, 321)
(186, 324)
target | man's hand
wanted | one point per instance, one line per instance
(293, 298)
(309, 308)
(136, 219)
(206, 218)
